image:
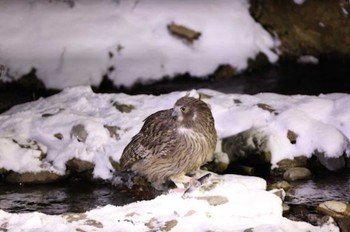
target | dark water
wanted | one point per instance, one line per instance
(335, 186)
(62, 198)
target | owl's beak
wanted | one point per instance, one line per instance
(176, 112)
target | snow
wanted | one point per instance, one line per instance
(299, 2)
(235, 203)
(72, 43)
(28, 131)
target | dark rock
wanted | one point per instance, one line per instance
(280, 185)
(113, 131)
(312, 28)
(58, 136)
(297, 173)
(123, 107)
(331, 163)
(285, 164)
(78, 165)
(42, 177)
(344, 224)
(183, 32)
(79, 132)
(248, 153)
(223, 72)
(336, 209)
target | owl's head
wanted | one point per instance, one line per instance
(188, 109)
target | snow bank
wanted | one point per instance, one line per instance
(74, 43)
(40, 135)
(232, 203)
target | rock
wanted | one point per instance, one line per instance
(249, 149)
(312, 28)
(58, 136)
(43, 177)
(113, 131)
(3, 171)
(252, 141)
(220, 161)
(279, 192)
(123, 107)
(224, 72)
(331, 163)
(344, 224)
(297, 173)
(285, 164)
(183, 32)
(78, 165)
(79, 132)
(214, 200)
(280, 185)
(336, 209)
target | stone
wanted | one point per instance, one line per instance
(297, 173)
(183, 32)
(285, 164)
(123, 108)
(113, 131)
(42, 177)
(280, 185)
(79, 132)
(330, 163)
(279, 192)
(214, 200)
(252, 141)
(312, 28)
(336, 209)
(224, 72)
(79, 165)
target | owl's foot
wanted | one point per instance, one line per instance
(185, 184)
(197, 183)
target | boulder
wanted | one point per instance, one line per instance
(42, 177)
(297, 173)
(317, 28)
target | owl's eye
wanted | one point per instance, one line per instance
(184, 109)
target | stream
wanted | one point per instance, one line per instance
(80, 196)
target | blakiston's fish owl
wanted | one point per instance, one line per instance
(172, 142)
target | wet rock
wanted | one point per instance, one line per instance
(43, 177)
(224, 72)
(331, 163)
(78, 165)
(285, 208)
(336, 209)
(279, 192)
(297, 173)
(280, 185)
(285, 164)
(344, 224)
(79, 132)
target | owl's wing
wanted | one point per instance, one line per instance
(157, 137)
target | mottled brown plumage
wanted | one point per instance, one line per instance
(172, 142)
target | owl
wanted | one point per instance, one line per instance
(172, 142)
